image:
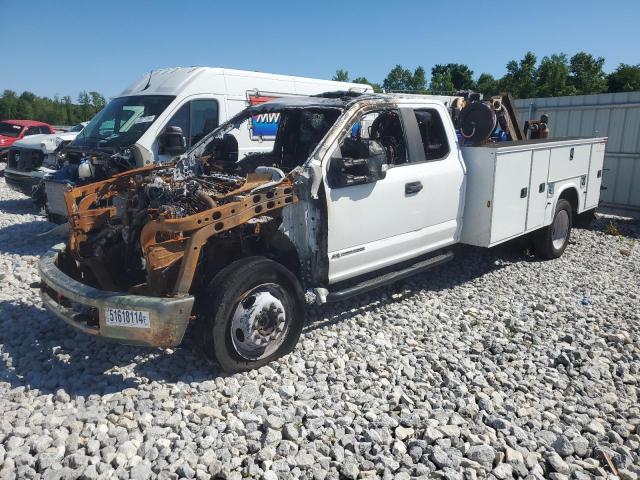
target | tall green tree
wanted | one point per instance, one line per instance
(341, 76)
(441, 83)
(625, 78)
(520, 79)
(461, 75)
(97, 101)
(376, 86)
(553, 77)
(401, 79)
(487, 85)
(586, 74)
(8, 104)
(419, 80)
(85, 105)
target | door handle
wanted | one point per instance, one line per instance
(412, 187)
(523, 192)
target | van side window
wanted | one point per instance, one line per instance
(196, 119)
(181, 119)
(434, 137)
(204, 118)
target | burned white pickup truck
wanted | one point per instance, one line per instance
(358, 191)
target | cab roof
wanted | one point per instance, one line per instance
(341, 100)
(26, 123)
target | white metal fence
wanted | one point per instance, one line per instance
(614, 115)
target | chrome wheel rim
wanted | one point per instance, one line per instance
(259, 324)
(560, 229)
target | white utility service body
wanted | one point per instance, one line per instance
(513, 187)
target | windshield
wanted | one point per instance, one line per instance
(9, 129)
(123, 121)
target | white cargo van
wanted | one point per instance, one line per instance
(166, 111)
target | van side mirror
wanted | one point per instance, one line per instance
(363, 162)
(172, 141)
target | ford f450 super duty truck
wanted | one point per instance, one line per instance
(357, 191)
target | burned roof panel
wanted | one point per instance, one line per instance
(285, 103)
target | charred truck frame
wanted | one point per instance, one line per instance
(235, 244)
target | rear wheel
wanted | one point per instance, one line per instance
(253, 313)
(550, 242)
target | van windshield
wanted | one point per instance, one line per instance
(122, 122)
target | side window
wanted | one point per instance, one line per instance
(376, 130)
(374, 142)
(434, 137)
(44, 129)
(181, 119)
(204, 118)
(32, 131)
(196, 119)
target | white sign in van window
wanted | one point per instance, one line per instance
(148, 118)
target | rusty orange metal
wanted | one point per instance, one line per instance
(166, 241)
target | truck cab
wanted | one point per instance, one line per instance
(355, 191)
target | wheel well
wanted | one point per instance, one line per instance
(279, 248)
(571, 196)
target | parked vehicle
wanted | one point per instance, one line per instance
(35, 156)
(355, 192)
(167, 111)
(14, 130)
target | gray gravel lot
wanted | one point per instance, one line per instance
(493, 366)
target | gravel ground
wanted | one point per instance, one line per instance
(494, 366)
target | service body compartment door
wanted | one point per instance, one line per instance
(510, 195)
(569, 162)
(538, 189)
(594, 182)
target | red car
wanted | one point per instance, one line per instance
(13, 130)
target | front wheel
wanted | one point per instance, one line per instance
(550, 242)
(253, 314)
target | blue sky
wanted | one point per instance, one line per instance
(64, 46)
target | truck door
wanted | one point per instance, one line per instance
(413, 207)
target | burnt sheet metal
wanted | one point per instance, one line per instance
(84, 308)
(286, 103)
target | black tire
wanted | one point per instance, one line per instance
(222, 299)
(543, 240)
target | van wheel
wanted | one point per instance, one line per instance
(550, 242)
(253, 313)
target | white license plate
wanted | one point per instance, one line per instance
(119, 317)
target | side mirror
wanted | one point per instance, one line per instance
(369, 168)
(172, 141)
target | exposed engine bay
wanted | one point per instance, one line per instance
(142, 231)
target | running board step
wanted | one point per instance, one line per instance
(387, 278)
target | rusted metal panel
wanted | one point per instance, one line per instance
(615, 115)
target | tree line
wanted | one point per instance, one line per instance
(555, 75)
(55, 111)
